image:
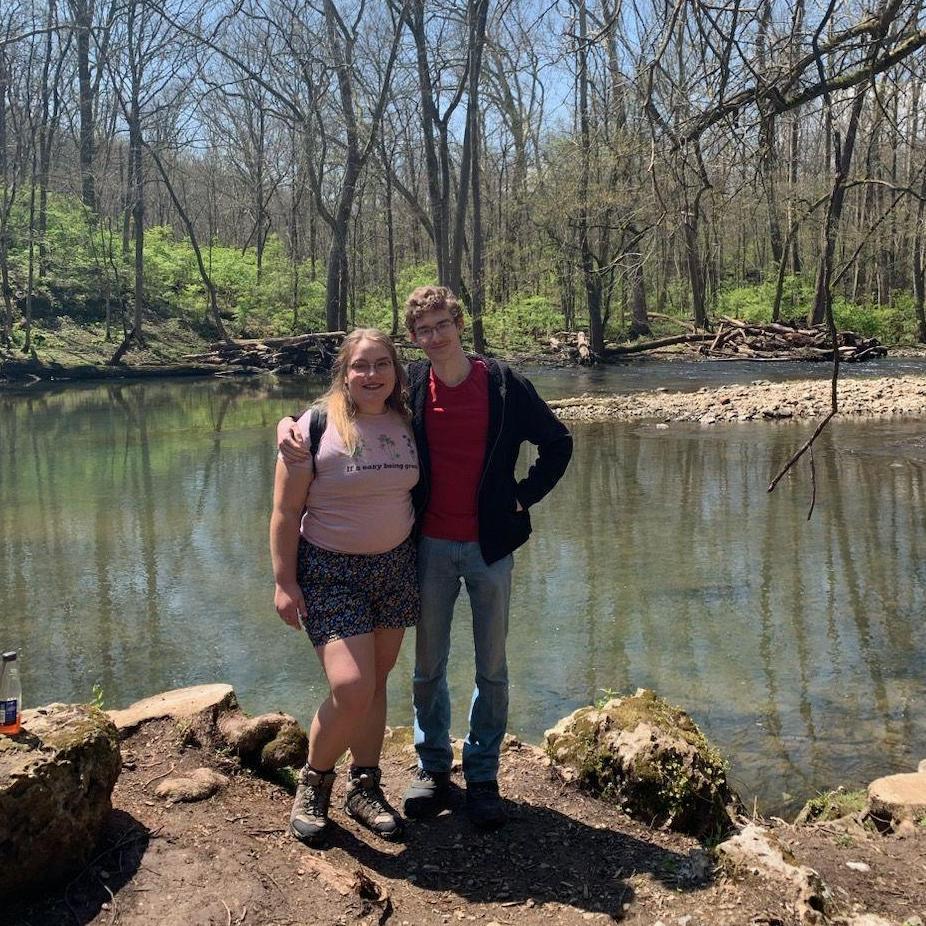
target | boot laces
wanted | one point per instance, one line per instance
(314, 797)
(371, 794)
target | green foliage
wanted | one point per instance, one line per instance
(286, 777)
(85, 268)
(831, 805)
(79, 273)
(753, 303)
(891, 324)
(169, 264)
(517, 325)
(413, 276)
(606, 694)
(97, 700)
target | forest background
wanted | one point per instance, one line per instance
(175, 170)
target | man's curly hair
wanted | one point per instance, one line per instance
(431, 299)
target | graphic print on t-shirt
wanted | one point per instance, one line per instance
(383, 451)
(388, 447)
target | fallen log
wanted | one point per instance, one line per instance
(640, 347)
(305, 353)
(777, 341)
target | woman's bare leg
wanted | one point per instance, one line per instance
(366, 739)
(351, 669)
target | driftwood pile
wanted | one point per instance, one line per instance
(736, 340)
(733, 340)
(306, 353)
(570, 347)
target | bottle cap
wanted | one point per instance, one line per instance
(10, 656)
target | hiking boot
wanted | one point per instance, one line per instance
(484, 806)
(308, 821)
(427, 795)
(366, 803)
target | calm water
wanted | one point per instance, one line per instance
(133, 555)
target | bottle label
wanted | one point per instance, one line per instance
(9, 711)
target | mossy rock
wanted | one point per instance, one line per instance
(289, 748)
(649, 757)
(832, 805)
(56, 782)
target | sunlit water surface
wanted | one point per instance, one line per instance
(133, 556)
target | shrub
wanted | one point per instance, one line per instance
(519, 323)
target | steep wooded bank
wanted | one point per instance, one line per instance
(266, 169)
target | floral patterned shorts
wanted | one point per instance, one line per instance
(347, 594)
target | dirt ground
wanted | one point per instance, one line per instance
(565, 857)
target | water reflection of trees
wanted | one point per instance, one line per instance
(133, 552)
(108, 533)
(786, 638)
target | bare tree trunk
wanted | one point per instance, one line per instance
(690, 222)
(919, 272)
(341, 41)
(8, 178)
(477, 12)
(46, 134)
(390, 239)
(30, 273)
(639, 324)
(83, 22)
(138, 219)
(591, 278)
(768, 144)
(843, 159)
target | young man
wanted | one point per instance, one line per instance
(470, 415)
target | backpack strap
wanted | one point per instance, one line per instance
(318, 421)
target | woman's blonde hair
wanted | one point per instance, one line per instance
(342, 412)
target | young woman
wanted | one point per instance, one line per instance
(344, 566)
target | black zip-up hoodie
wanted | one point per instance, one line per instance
(516, 414)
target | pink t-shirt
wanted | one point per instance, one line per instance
(362, 504)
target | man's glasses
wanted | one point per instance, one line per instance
(362, 368)
(426, 332)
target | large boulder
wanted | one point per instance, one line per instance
(56, 782)
(651, 758)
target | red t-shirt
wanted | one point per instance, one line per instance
(456, 422)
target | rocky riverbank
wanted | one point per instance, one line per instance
(198, 835)
(881, 397)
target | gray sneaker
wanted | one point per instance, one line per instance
(427, 795)
(308, 821)
(366, 803)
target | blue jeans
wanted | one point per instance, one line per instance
(441, 566)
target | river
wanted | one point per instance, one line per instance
(133, 557)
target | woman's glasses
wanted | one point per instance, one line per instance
(380, 368)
